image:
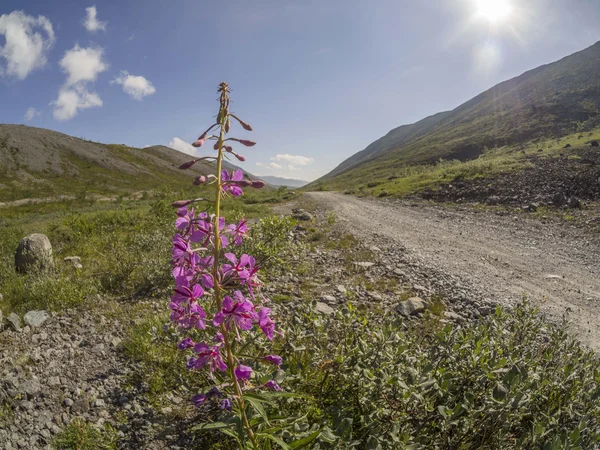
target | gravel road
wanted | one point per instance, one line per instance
(557, 266)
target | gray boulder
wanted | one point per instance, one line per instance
(324, 308)
(35, 318)
(34, 253)
(300, 214)
(75, 260)
(14, 320)
(410, 307)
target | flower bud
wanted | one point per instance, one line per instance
(227, 124)
(200, 179)
(258, 184)
(246, 142)
(188, 164)
(199, 142)
(216, 146)
(239, 157)
(241, 183)
(181, 203)
(245, 126)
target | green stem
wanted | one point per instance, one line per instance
(218, 299)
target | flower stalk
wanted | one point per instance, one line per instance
(200, 272)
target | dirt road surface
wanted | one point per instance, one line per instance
(557, 266)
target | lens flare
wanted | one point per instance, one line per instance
(494, 10)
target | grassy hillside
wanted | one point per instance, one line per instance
(548, 102)
(36, 163)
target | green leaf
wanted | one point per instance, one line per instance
(328, 436)
(301, 443)
(257, 405)
(211, 426)
(275, 439)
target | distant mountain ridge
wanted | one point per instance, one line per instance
(550, 100)
(37, 160)
(279, 181)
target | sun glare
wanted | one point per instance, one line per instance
(493, 10)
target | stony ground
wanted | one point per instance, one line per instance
(496, 256)
(573, 175)
(390, 256)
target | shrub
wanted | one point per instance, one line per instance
(509, 382)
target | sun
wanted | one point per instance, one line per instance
(494, 10)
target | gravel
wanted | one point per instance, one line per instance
(478, 259)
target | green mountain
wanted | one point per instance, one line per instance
(550, 101)
(36, 162)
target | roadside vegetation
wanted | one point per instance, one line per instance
(391, 177)
(360, 378)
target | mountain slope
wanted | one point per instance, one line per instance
(279, 181)
(551, 100)
(39, 162)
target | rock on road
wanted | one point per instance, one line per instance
(557, 266)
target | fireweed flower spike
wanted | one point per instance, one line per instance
(215, 305)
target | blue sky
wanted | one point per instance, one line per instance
(318, 80)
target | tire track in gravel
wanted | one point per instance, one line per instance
(557, 266)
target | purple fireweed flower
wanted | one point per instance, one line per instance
(210, 355)
(252, 279)
(184, 220)
(226, 404)
(219, 338)
(196, 318)
(240, 311)
(199, 399)
(186, 343)
(234, 190)
(188, 316)
(265, 322)
(243, 372)
(238, 231)
(273, 359)
(207, 281)
(183, 292)
(182, 252)
(236, 268)
(272, 385)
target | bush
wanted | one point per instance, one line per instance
(269, 241)
(509, 382)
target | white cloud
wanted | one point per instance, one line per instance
(135, 86)
(294, 160)
(91, 22)
(286, 163)
(71, 99)
(182, 146)
(27, 42)
(31, 113)
(82, 66)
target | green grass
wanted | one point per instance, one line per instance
(80, 435)
(124, 247)
(385, 177)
